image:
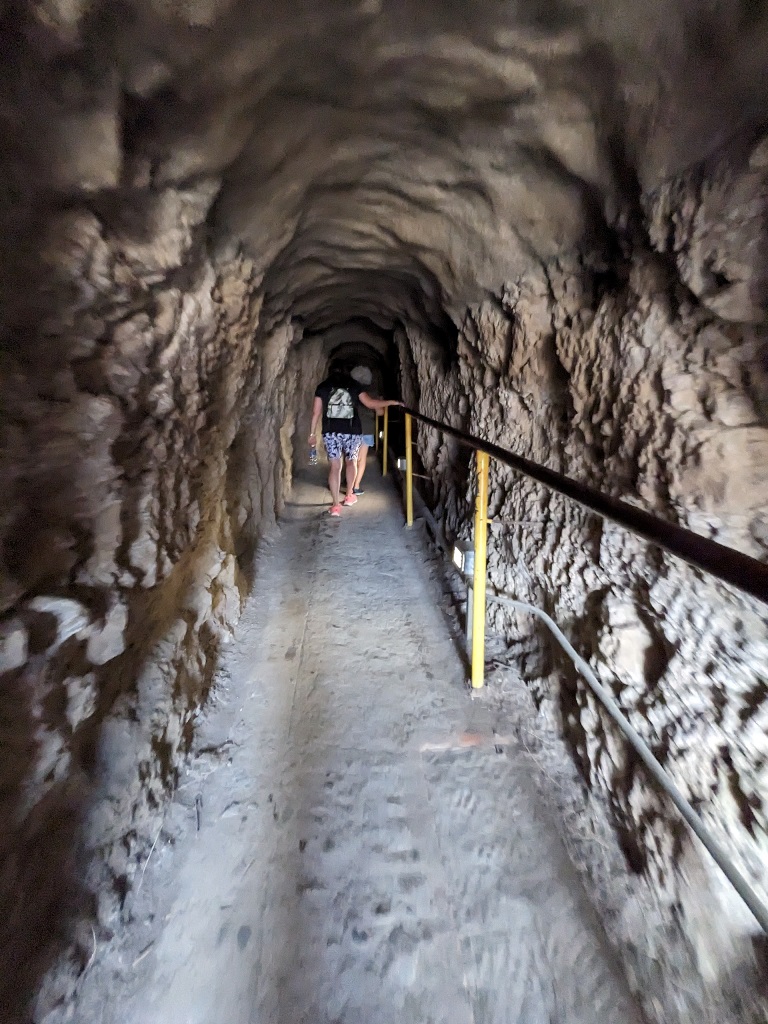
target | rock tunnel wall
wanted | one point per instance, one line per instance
(650, 382)
(194, 198)
(147, 445)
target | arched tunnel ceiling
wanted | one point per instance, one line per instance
(360, 342)
(392, 159)
(373, 342)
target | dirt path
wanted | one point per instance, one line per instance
(369, 850)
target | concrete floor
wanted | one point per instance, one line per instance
(370, 850)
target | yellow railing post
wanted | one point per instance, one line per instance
(385, 442)
(478, 603)
(376, 434)
(408, 472)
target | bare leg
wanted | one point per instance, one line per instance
(351, 471)
(334, 480)
(362, 458)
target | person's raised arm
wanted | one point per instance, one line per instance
(377, 404)
(317, 412)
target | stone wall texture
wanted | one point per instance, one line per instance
(146, 448)
(547, 220)
(650, 383)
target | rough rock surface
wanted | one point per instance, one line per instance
(550, 219)
(131, 486)
(544, 370)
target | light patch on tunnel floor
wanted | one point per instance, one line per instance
(365, 855)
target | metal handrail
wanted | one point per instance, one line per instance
(740, 571)
(716, 559)
(738, 881)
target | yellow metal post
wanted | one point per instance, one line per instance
(385, 442)
(376, 434)
(478, 603)
(408, 472)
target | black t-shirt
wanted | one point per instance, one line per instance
(367, 420)
(341, 399)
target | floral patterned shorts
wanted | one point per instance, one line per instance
(338, 444)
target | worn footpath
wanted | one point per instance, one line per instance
(355, 841)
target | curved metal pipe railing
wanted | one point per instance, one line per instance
(738, 570)
(741, 571)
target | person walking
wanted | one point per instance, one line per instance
(364, 377)
(336, 403)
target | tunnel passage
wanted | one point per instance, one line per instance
(547, 219)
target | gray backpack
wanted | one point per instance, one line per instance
(340, 405)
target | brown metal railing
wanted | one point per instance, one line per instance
(740, 571)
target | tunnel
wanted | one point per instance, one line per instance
(543, 224)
